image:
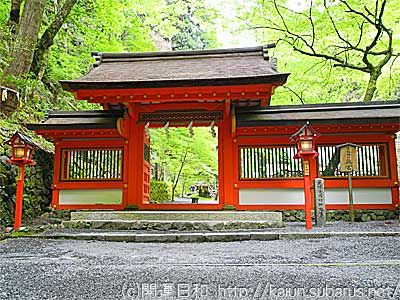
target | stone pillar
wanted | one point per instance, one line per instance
(319, 197)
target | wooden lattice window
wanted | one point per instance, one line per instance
(269, 162)
(98, 164)
(372, 161)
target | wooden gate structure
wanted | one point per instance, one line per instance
(102, 157)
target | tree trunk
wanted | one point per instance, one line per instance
(47, 39)
(22, 53)
(371, 87)
(15, 11)
(176, 180)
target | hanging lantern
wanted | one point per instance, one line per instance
(22, 149)
(146, 129)
(212, 129)
(190, 126)
(166, 128)
(305, 141)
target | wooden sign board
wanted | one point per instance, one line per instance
(348, 159)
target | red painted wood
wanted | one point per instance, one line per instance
(91, 207)
(88, 134)
(76, 185)
(133, 163)
(358, 183)
(208, 106)
(270, 207)
(257, 91)
(394, 171)
(332, 129)
(146, 174)
(271, 183)
(228, 160)
(180, 206)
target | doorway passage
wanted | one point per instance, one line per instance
(183, 165)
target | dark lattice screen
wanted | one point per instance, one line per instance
(269, 162)
(92, 164)
(371, 161)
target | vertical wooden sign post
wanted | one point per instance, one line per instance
(348, 164)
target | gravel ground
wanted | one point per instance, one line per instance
(332, 268)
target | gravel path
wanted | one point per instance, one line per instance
(296, 269)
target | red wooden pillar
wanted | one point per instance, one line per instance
(226, 159)
(307, 191)
(18, 198)
(139, 143)
(56, 174)
(394, 173)
(313, 174)
(134, 167)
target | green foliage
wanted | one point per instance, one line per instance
(200, 164)
(160, 191)
(93, 25)
(312, 79)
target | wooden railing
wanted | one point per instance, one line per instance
(269, 162)
(102, 164)
(372, 161)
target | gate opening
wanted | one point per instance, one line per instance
(183, 165)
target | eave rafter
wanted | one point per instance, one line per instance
(180, 94)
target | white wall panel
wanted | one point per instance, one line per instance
(271, 196)
(360, 196)
(90, 196)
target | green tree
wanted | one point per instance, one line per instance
(185, 160)
(356, 36)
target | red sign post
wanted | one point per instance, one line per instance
(22, 150)
(305, 143)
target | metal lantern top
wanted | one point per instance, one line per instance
(22, 149)
(305, 140)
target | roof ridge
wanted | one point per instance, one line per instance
(182, 52)
(324, 106)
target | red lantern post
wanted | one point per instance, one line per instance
(22, 150)
(305, 143)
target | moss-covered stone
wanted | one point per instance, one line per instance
(343, 215)
(37, 187)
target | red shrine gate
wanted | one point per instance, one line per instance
(102, 157)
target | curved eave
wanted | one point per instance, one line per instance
(75, 85)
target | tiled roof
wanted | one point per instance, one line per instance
(180, 68)
(331, 113)
(86, 119)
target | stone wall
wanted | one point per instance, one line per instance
(343, 215)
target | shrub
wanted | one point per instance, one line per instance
(160, 191)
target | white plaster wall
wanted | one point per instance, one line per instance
(360, 196)
(296, 196)
(90, 196)
(271, 196)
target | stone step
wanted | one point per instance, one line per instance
(263, 216)
(171, 225)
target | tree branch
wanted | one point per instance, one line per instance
(47, 38)
(15, 12)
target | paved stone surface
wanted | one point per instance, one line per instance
(331, 268)
(292, 231)
(178, 215)
(163, 225)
